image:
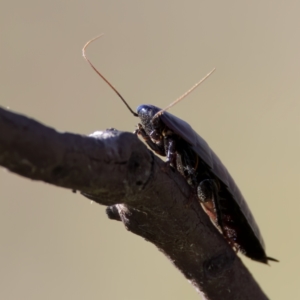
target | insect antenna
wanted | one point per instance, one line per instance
(184, 95)
(111, 86)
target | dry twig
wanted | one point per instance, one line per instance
(117, 170)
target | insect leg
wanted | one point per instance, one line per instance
(170, 150)
(159, 149)
(207, 192)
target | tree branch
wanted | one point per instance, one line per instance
(116, 169)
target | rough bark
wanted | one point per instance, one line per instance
(152, 200)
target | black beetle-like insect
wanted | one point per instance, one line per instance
(189, 153)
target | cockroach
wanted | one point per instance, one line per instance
(189, 153)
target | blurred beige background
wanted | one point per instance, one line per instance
(56, 244)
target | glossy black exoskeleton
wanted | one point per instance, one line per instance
(188, 152)
(217, 192)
